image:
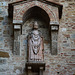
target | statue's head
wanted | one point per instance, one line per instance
(35, 26)
(35, 34)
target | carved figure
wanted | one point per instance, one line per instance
(35, 44)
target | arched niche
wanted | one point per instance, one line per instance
(45, 11)
(37, 13)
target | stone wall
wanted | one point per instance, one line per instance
(61, 64)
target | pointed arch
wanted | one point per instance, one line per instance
(37, 13)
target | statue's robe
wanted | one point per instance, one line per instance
(35, 54)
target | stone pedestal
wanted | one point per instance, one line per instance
(37, 67)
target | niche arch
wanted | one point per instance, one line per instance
(37, 13)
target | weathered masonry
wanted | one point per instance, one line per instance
(47, 15)
(37, 37)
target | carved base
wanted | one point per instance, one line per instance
(35, 66)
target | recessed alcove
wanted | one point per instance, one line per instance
(38, 14)
(28, 26)
(49, 32)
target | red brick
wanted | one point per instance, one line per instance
(72, 49)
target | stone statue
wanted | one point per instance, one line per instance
(35, 44)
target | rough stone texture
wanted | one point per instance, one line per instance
(16, 50)
(54, 42)
(4, 54)
(63, 63)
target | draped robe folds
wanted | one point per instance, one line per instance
(35, 46)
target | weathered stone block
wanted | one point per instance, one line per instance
(6, 32)
(2, 73)
(72, 49)
(1, 18)
(1, 39)
(2, 61)
(18, 70)
(3, 3)
(72, 36)
(4, 54)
